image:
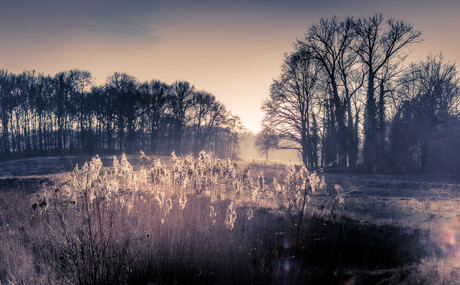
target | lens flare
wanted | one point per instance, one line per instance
(350, 281)
(287, 265)
(286, 243)
(448, 235)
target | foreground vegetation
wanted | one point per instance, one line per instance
(205, 220)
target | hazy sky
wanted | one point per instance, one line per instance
(232, 49)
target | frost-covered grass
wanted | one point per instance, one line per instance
(196, 220)
(211, 221)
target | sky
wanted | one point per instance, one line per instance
(232, 49)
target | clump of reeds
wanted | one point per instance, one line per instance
(198, 219)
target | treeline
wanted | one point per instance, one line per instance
(347, 99)
(67, 113)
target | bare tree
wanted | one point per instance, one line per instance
(42, 114)
(234, 129)
(81, 82)
(289, 109)
(8, 103)
(61, 98)
(207, 112)
(155, 95)
(387, 78)
(378, 43)
(426, 127)
(267, 139)
(122, 89)
(180, 100)
(329, 43)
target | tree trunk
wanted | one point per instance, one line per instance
(381, 133)
(352, 140)
(341, 136)
(370, 139)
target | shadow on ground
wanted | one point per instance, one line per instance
(28, 185)
(366, 253)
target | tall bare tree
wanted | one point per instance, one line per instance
(81, 82)
(180, 100)
(234, 129)
(289, 109)
(123, 89)
(8, 102)
(155, 96)
(378, 43)
(208, 112)
(329, 43)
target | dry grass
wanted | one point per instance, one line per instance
(195, 220)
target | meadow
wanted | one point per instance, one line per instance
(205, 220)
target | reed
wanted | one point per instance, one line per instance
(197, 220)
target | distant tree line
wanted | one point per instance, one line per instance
(66, 113)
(347, 99)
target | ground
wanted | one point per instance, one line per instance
(411, 222)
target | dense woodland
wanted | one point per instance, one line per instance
(68, 114)
(347, 99)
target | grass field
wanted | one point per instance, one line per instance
(202, 220)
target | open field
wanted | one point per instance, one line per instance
(390, 230)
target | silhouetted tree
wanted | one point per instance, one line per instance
(387, 79)
(329, 43)
(378, 43)
(51, 115)
(8, 103)
(26, 89)
(266, 140)
(234, 128)
(180, 100)
(105, 104)
(207, 113)
(155, 99)
(425, 127)
(81, 81)
(62, 95)
(290, 107)
(122, 89)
